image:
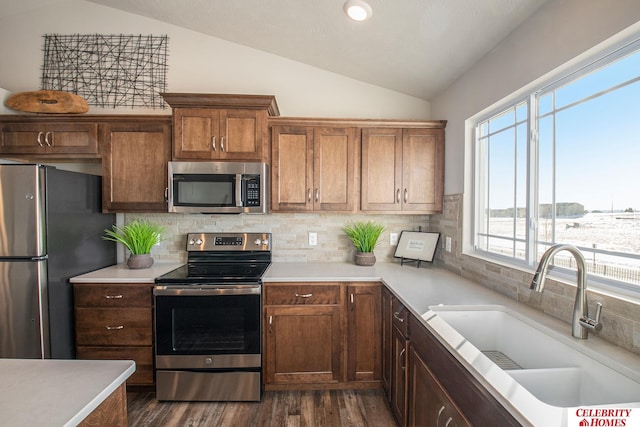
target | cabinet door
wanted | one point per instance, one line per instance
(50, 138)
(422, 170)
(381, 169)
(399, 346)
(302, 344)
(292, 169)
(134, 166)
(363, 336)
(242, 134)
(196, 133)
(334, 174)
(429, 404)
(386, 340)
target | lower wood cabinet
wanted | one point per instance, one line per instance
(115, 321)
(429, 404)
(111, 412)
(322, 335)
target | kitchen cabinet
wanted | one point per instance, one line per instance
(60, 137)
(322, 335)
(429, 404)
(313, 168)
(114, 321)
(134, 164)
(399, 347)
(220, 127)
(442, 391)
(386, 307)
(364, 353)
(402, 170)
(302, 334)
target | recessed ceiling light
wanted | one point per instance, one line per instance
(358, 10)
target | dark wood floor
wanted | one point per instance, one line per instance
(280, 408)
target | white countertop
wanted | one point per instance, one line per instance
(37, 392)
(120, 273)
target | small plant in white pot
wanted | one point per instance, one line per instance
(138, 237)
(364, 235)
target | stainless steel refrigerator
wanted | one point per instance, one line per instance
(51, 228)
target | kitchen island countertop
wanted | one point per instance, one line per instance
(50, 392)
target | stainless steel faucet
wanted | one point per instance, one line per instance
(582, 323)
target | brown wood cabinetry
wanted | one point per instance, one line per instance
(114, 321)
(313, 168)
(111, 412)
(222, 127)
(321, 335)
(402, 170)
(399, 347)
(386, 307)
(63, 137)
(134, 164)
(429, 404)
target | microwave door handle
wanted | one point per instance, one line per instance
(239, 190)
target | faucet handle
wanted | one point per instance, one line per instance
(593, 324)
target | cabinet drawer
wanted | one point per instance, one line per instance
(143, 356)
(112, 295)
(113, 326)
(302, 294)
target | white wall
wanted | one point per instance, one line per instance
(199, 63)
(559, 32)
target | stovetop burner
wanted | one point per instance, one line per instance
(222, 257)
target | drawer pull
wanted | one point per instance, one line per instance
(304, 295)
(397, 316)
(113, 296)
(114, 328)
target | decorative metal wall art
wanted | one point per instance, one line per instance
(108, 71)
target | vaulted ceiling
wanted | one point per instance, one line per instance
(416, 47)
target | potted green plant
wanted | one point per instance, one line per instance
(364, 235)
(138, 237)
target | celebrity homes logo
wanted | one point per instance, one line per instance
(606, 417)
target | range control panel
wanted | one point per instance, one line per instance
(228, 242)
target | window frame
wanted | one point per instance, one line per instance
(530, 95)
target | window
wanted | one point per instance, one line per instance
(562, 165)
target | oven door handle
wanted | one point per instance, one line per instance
(195, 290)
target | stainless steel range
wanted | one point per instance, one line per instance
(208, 319)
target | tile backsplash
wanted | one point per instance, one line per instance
(290, 233)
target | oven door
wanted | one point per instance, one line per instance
(208, 326)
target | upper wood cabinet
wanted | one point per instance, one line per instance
(222, 127)
(402, 170)
(313, 168)
(60, 137)
(134, 164)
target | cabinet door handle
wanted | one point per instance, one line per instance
(309, 194)
(351, 298)
(39, 139)
(317, 194)
(222, 143)
(398, 196)
(448, 422)
(406, 195)
(439, 415)
(304, 295)
(213, 143)
(271, 320)
(46, 139)
(113, 296)
(166, 194)
(396, 314)
(114, 328)
(404, 359)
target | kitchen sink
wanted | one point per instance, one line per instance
(548, 364)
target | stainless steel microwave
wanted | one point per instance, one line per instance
(217, 187)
